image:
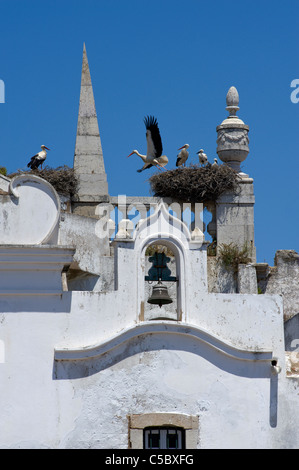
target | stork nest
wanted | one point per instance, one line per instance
(62, 178)
(195, 183)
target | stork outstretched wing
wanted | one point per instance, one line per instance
(153, 137)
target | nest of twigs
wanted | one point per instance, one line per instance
(194, 183)
(62, 178)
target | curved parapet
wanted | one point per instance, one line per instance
(29, 215)
(157, 328)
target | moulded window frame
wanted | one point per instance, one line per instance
(137, 423)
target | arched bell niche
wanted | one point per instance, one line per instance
(161, 281)
(173, 238)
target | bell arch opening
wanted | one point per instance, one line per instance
(161, 269)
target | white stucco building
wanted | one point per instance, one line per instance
(87, 362)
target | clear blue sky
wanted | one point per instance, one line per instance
(173, 59)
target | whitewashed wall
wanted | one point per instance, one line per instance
(164, 367)
(76, 364)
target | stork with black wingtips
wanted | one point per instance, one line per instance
(153, 155)
(183, 155)
(203, 159)
(38, 159)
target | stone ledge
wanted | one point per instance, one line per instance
(140, 421)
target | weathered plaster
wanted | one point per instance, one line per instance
(283, 279)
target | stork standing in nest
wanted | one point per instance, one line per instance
(38, 159)
(183, 155)
(203, 159)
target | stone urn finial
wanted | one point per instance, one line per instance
(232, 101)
(232, 134)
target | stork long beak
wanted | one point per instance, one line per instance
(130, 154)
(181, 147)
(47, 148)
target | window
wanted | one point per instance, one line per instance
(163, 438)
(163, 431)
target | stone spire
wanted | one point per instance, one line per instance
(88, 159)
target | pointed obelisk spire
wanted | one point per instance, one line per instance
(88, 159)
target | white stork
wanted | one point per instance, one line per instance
(203, 159)
(215, 162)
(153, 155)
(38, 159)
(183, 155)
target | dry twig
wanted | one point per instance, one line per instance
(62, 178)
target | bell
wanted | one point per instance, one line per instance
(160, 295)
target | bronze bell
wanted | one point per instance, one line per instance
(160, 295)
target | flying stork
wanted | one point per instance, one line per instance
(38, 159)
(183, 155)
(203, 159)
(153, 155)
